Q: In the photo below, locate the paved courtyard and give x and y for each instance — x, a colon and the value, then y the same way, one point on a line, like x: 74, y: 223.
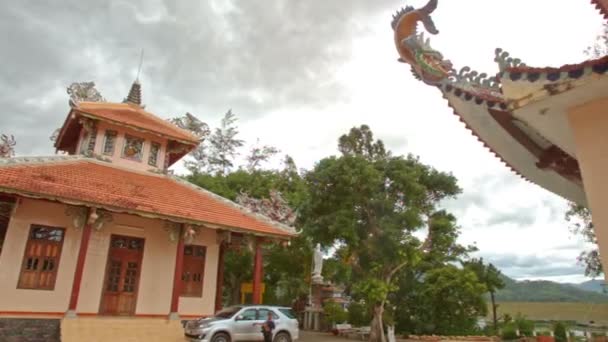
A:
x: 307, y: 336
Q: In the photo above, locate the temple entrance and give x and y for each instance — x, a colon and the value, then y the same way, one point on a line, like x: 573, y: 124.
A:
x: 122, y: 276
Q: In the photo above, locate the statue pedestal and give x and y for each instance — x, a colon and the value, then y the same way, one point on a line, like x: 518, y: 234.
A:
x: 312, y: 318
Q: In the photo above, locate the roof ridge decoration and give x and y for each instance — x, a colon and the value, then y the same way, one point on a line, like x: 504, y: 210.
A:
x: 83, y: 92
x: 504, y: 61
x: 428, y: 64
x: 40, y: 159
x: 243, y: 209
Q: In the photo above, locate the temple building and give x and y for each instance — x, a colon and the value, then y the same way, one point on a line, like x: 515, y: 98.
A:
x: 547, y: 124
x: 105, y: 230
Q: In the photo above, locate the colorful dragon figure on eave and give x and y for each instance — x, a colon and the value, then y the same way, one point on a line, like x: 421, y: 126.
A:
x: 427, y: 64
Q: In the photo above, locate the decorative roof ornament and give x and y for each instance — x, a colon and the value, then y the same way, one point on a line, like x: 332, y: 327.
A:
x: 7, y: 145
x: 134, y: 96
x: 83, y: 92
x: 506, y: 62
x: 427, y: 64
x: 471, y: 77
x: 275, y: 207
x: 191, y: 123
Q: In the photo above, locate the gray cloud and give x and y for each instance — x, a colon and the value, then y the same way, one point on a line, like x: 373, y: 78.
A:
x: 204, y: 57
x: 531, y: 265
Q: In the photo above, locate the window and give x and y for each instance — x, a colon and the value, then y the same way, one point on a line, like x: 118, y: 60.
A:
x: 133, y: 148
x: 263, y: 314
x: 193, y: 271
x: 109, y: 142
x: 248, y: 315
x: 153, y: 157
x: 41, y: 258
x: 288, y: 312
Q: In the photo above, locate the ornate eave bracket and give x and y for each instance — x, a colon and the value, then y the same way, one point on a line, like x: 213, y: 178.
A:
x: 6, y: 209
x: 80, y: 215
x: 188, y: 233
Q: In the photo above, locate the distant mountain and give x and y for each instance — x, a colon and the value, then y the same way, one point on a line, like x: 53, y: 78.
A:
x: 595, y: 285
x: 548, y: 291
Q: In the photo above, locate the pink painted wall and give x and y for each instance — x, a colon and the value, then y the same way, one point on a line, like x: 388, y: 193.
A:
x: 158, y: 264
x: 119, y: 144
x: 44, y: 213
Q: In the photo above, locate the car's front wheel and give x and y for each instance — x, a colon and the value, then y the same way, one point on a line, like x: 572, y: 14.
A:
x: 282, y: 337
x: 221, y: 337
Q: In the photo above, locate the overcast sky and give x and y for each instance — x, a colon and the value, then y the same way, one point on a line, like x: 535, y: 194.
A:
x: 300, y: 73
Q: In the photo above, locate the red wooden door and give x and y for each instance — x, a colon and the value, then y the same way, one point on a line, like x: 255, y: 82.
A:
x: 122, y: 276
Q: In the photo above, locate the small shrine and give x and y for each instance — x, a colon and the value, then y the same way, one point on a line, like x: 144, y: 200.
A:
x: 105, y: 230
x: 547, y: 124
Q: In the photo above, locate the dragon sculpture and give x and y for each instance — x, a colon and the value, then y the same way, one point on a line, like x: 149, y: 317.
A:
x: 427, y: 64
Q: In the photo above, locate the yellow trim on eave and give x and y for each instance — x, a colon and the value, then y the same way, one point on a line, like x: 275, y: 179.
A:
x: 551, y: 89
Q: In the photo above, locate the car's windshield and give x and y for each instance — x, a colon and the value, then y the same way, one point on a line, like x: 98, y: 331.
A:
x: 228, y: 312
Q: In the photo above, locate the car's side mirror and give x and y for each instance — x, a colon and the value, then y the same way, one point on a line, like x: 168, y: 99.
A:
x: 240, y: 318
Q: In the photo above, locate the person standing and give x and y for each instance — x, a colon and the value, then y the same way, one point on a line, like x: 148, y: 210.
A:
x: 267, y: 328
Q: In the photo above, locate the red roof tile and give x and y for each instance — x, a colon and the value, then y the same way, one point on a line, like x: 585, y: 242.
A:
x: 601, y: 5
x: 135, y: 117
x: 98, y: 183
x: 563, y: 68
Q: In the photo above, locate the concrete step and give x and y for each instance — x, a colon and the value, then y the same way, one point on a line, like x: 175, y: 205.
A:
x: 93, y: 329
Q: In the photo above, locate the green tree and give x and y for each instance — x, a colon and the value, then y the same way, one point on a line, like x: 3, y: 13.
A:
x: 492, y: 278
x: 285, y: 273
x: 334, y: 313
x: 200, y: 129
x: 581, y: 224
x: 454, y: 301
x: 223, y: 145
x: 411, y: 305
x: 371, y: 203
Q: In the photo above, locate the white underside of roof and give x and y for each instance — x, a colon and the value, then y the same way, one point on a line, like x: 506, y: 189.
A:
x: 548, y: 114
x: 479, y: 120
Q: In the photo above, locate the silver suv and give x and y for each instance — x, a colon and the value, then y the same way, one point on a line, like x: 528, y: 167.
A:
x: 242, y: 323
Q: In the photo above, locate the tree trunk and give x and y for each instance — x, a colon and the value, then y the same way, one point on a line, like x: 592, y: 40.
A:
x: 494, y: 312
x: 376, y: 333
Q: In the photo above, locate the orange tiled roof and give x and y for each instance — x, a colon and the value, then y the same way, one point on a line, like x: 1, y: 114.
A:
x: 136, y: 117
x: 88, y: 181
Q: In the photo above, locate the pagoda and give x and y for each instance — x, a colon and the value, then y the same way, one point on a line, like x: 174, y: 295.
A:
x: 547, y: 124
x: 106, y: 230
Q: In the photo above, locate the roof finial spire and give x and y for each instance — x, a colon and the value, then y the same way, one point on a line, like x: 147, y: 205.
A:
x: 141, y: 61
x: 134, y: 96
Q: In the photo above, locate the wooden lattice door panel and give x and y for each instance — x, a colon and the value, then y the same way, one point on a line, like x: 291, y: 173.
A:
x: 122, y: 276
x: 41, y: 258
x: 193, y: 272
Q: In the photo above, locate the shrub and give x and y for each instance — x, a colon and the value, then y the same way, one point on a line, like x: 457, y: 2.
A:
x: 358, y: 314
x: 525, y: 326
x: 334, y: 313
x: 559, y: 332
x: 509, y: 332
